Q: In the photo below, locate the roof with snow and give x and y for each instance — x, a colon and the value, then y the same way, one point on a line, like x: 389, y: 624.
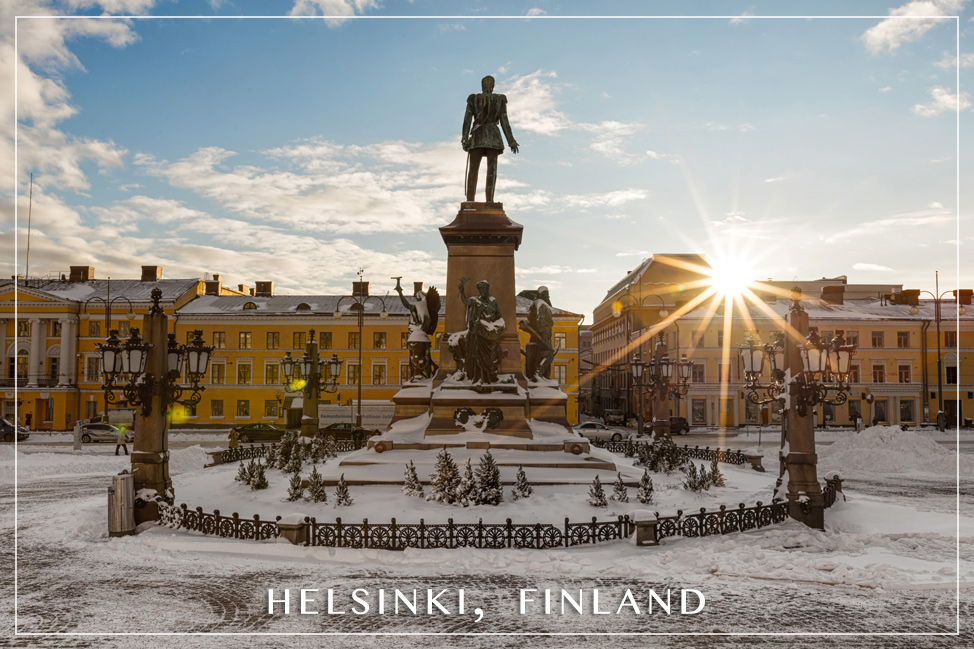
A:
x: 865, y: 309
x: 133, y: 289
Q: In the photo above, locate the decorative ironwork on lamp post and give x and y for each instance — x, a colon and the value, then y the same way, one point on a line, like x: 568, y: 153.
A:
x: 359, y: 302
x: 664, y: 377
x: 317, y: 375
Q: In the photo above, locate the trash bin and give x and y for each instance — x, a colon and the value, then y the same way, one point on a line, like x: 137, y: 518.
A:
x: 968, y: 422
x: 121, y: 505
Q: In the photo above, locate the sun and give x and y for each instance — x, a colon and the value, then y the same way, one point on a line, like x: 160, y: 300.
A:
x: 731, y: 275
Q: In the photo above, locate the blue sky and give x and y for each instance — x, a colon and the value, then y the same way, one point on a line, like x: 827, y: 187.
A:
x: 299, y: 150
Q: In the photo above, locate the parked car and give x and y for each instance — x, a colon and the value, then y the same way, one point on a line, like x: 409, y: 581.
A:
x: 344, y: 430
x: 594, y: 430
x: 7, y: 429
x: 102, y: 432
x: 616, y: 417
x: 258, y: 432
x: 679, y: 426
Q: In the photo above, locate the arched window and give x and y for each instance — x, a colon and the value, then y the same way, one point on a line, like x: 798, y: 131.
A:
x: 250, y: 305
x: 304, y: 306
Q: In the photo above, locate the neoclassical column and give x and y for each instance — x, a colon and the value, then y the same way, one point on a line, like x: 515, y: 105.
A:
x: 64, y: 362
x: 3, y: 349
x: 35, y: 367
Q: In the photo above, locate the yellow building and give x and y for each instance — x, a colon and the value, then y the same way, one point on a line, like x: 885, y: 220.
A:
x: 894, y: 370
x: 252, y: 333
x: 48, y: 332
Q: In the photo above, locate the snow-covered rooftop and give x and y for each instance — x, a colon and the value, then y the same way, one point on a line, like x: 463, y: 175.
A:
x: 133, y: 289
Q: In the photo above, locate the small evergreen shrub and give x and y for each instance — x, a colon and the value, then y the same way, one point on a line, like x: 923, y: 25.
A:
x: 258, y: 479
x: 489, y: 491
x: 619, y: 491
x: 596, y: 495
x: 295, y: 489
x: 645, y: 493
x: 342, y: 497
x: 467, y: 488
x: 411, y: 485
x: 316, y: 487
x: 445, y: 479
x: 522, y: 488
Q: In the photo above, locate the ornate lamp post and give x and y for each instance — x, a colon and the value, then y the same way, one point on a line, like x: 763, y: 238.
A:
x: 802, y: 375
x: 107, y: 303
x: 147, y: 373
x: 317, y: 375
x: 938, y: 315
x: 359, y: 302
x: 664, y: 378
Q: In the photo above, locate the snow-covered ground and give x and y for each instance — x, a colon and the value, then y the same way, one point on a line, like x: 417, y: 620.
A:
x: 887, y: 561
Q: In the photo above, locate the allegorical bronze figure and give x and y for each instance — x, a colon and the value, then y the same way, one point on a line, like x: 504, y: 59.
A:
x: 424, y: 313
x: 539, y: 353
x: 477, y: 350
x: 485, y: 110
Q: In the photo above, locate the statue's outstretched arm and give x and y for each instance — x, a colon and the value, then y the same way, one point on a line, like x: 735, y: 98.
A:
x: 506, y: 125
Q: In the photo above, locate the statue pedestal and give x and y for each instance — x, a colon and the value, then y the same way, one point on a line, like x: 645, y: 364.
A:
x: 480, y: 244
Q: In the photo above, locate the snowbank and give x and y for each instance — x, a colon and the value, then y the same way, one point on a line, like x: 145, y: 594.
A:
x: 34, y: 466
x: 888, y: 449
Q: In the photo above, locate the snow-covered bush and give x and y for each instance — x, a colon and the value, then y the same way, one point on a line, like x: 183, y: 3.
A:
x: 411, y: 486
x: 294, y: 463
x: 716, y: 477
x: 467, y: 489
x: 619, y: 491
x: 271, y: 458
x: 522, y: 488
x: 596, y: 495
x: 489, y: 491
x: 645, y: 492
x: 342, y: 497
x: 243, y: 473
x: 284, y: 453
x: 695, y: 480
x: 316, y: 487
x: 258, y: 479
x: 445, y: 479
x: 295, y: 489
x: 661, y: 456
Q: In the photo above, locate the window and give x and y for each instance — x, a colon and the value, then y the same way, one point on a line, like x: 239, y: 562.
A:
x: 378, y: 374
x: 124, y: 329
x: 94, y: 329
x: 720, y: 337
x: 379, y: 340
x: 854, y: 373
x: 189, y: 410
x: 246, y: 340
x: 404, y: 340
x: 216, y: 408
x: 906, y: 410
x: 55, y: 328
x: 879, y: 374
x: 273, y: 340
x: 52, y: 368
x: 879, y: 407
x: 561, y: 340
x: 220, y: 339
x: 324, y: 340
x: 218, y: 373
x: 903, y: 372
x: 852, y: 338
x: 271, y: 374
x: 23, y: 328
x: 698, y: 373
x: 698, y: 411
x: 243, y: 408
x: 270, y: 407
x: 950, y: 375
x: 353, y: 340
x: 560, y: 374
x: 877, y: 339
x: 92, y: 368
x: 404, y: 373
x: 902, y: 339
x: 855, y: 409
x: 243, y: 374
x: 696, y: 340
x: 353, y: 374
x: 249, y: 306
x: 298, y: 340
x: 827, y: 336
x: 950, y: 339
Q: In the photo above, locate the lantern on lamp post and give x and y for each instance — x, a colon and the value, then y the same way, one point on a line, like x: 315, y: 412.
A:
x: 317, y: 375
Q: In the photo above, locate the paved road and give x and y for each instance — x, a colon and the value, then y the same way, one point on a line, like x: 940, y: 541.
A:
x: 81, y: 587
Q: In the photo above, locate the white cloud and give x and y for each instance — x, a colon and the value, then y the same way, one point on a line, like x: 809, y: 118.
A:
x: 451, y: 27
x: 886, y: 89
x: 715, y: 127
x: 535, y: 11
x: 899, y: 222
x: 935, y: 206
x: 949, y: 62
x: 774, y: 180
x: 943, y: 101
x: 739, y: 20
x: 871, y: 267
x: 337, y: 11
x: 906, y: 24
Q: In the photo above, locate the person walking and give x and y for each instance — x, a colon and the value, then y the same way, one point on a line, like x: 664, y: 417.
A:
x: 233, y: 439
x: 120, y: 432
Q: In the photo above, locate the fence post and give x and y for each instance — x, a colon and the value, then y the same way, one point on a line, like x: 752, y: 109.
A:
x: 365, y: 534
x: 422, y: 533
x: 510, y: 532
x: 480, y: 533
x: 567, y: 541
x: 393, y: 537
x: 338, y: 532
x: 449, y: 534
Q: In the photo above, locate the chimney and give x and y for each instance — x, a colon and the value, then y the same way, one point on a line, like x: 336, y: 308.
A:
x: 833, y: 294
x: 964, y: 296
x: 82, y: 273
x: 151, y: 273
x: 213, y: 286
x: 253, y: 293
x: 417, y: 287
x: 360, y: 289
x: 911, y: 297
x: 243, y: 289
x: 265, y: 289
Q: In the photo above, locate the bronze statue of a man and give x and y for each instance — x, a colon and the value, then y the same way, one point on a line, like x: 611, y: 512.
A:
x: 485, y: 110
x: 539, y: 353
x: 476, y: 350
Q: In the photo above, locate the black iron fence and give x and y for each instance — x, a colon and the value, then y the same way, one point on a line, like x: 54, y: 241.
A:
x: 230, y: 527
x: 249, y: 452
x: 630, y: 448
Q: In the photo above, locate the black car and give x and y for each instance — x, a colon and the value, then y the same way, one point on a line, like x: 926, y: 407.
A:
x: 679, y: 426
x: 344, y: 430
x: 259, y: 432
x: 7, y: 429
